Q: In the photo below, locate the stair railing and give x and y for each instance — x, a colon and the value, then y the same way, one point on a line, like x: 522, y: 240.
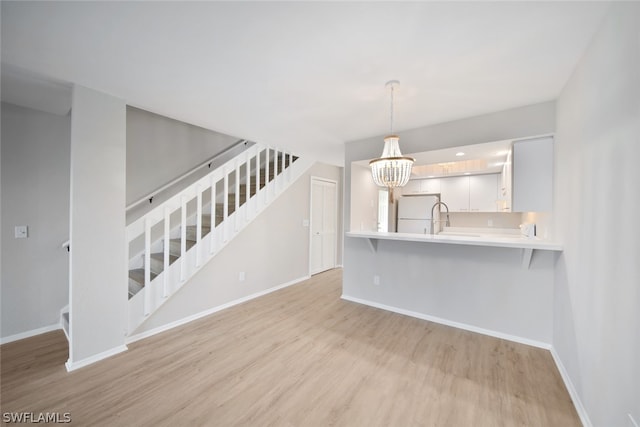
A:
x: 206, y: 194
x: 149, y: 197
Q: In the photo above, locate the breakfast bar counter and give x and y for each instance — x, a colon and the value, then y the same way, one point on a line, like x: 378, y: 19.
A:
x: 472, y: 239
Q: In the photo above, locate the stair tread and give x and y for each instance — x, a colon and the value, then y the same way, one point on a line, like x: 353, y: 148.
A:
x: 137, y: 274
x: 204, y: 227
x: 160, y: 257
x: 189, y: 242
x: 175, y: 246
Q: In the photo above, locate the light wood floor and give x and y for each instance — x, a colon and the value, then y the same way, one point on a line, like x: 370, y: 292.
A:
x: 297, y: 357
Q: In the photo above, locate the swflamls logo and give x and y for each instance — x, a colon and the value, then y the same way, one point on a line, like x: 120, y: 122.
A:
x: 36, y: 417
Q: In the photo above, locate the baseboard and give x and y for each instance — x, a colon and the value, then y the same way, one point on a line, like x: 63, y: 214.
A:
x: 577, y: 403
x: 31, y: 333
x: 446, y: 322
x: 72, y: 366
x: 185, y: 320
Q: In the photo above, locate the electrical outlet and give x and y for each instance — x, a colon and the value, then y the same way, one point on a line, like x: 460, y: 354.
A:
x: 241, y: 276
x: 376, y: 280
x: 21, y: 232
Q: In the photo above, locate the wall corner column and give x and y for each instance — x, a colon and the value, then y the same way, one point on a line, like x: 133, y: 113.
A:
x: 97, y: 264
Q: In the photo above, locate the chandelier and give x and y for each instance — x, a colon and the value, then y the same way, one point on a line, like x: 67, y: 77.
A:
x: 392, y: 169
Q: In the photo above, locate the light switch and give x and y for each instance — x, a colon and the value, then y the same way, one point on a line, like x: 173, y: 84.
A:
x: 305, y: 222
x: 21, y: 232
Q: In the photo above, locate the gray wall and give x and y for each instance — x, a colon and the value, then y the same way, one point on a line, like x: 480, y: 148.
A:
x: 272, y: 250
x: 35, y: 192
x: 160, y: 149
x: 597, y: 279
x: 481, y: 288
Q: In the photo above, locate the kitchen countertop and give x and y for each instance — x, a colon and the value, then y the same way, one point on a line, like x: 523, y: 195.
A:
x: 471, y: 239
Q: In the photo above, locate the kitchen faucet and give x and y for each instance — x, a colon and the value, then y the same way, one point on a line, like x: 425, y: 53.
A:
x: 433, y: 221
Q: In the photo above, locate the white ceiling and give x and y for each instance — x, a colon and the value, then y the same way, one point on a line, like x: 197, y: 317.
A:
x: 307, y: 76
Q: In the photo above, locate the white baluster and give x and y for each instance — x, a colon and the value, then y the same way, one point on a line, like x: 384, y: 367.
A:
x: 247, y: 187
x: 212, y: 224
x: 275, y: 171
x: 266, y: 176
x: 284, y: 165
x: 237, y: 198
x: 198, y: 225
x: 183, y: 238
x: 258, y: 171
x: 166, y: 255
x: 289, y: 167
x: 147, y: 266
x: 225, y: 207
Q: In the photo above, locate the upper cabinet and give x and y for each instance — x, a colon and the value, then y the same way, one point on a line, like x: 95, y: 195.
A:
x: 454, y: 191
x: 472, y: 193
x: 412, y: 187
x: 533, y: 175
x: 422, y: 186
x: 430, y: 186
x: 483, y: 193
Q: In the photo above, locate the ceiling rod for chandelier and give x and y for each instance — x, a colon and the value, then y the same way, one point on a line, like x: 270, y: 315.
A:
x: 392, y: 169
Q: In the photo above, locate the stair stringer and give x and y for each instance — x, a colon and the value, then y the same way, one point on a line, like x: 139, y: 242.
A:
x: 160, y: 290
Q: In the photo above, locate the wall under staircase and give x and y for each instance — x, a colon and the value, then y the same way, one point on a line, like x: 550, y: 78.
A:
x: 171, y: 243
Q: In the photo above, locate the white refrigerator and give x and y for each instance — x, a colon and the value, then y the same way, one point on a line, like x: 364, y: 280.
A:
x: 414, y: 213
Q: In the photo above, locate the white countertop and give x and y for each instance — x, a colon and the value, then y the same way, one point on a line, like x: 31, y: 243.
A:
x: 461, y: 239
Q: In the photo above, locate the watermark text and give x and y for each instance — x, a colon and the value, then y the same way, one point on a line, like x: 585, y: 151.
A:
x: 36, y: 417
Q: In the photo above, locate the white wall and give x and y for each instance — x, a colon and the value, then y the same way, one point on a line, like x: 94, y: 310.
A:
x: 98, y: 274
x: 35, y: 192
x: 271, y: 251
x: 364, y: 199
x: 597, y: 201
x: 482, y: 288
x: 160, y: 149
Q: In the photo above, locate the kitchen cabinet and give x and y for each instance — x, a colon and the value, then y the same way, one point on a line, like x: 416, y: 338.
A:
x: 473, y: 193
x: 454, y: 191
x: 430, y: 186
x: 483, y: 193
x: 533, y: 175
x: 412, y: 187
x: 422, y: 186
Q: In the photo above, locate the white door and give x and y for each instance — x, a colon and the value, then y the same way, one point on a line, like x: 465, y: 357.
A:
x: 323, y: 225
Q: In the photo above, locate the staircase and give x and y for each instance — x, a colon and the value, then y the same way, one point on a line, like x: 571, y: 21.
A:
x: 172, y: 242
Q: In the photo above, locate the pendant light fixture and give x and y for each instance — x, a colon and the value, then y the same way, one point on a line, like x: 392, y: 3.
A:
x: 392, y: 169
